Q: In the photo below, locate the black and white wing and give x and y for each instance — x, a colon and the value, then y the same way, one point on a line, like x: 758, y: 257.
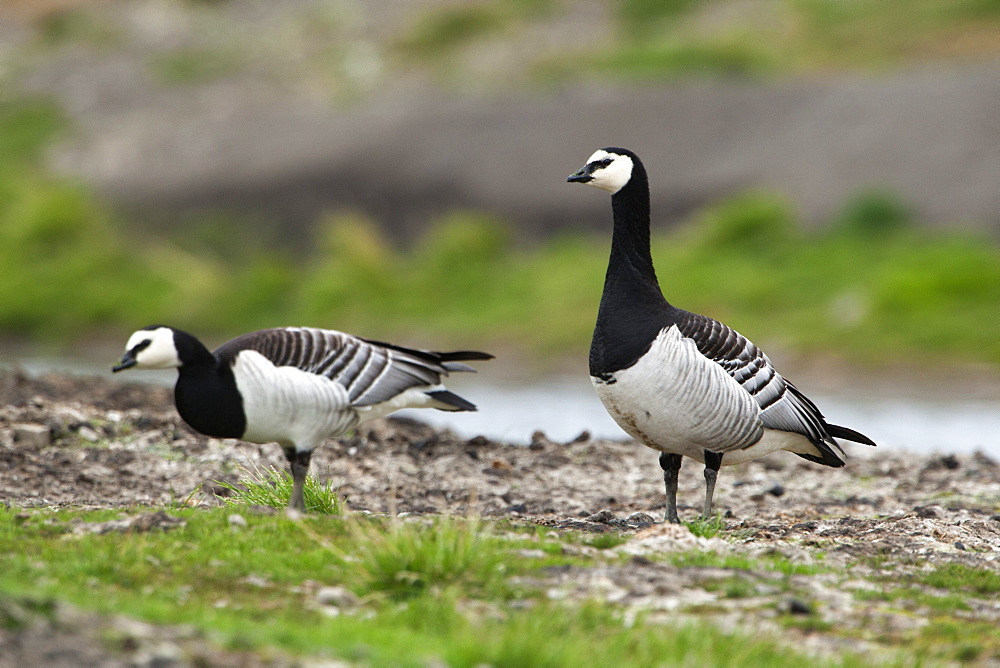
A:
x: 782, y: 405
x: 372, y: 372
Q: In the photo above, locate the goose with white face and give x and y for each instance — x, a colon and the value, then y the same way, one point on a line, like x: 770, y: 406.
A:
x: 605, y: 170
x: 152, y: 348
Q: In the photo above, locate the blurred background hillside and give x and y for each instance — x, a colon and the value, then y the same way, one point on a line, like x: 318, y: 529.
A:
x: 824, y: 173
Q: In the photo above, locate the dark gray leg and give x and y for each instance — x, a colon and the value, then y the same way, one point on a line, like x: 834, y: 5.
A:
x: 671, y: 465
x: 713, y: 460
x: 299, y: 462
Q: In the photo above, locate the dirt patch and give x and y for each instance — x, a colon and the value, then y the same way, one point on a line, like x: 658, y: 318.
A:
x: 122, y: 445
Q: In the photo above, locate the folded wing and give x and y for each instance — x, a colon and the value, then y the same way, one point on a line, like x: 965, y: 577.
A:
x: 371, y: 371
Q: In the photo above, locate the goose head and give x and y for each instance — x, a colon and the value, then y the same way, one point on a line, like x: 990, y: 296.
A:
x: 608, y: 169
x: 150, y: 348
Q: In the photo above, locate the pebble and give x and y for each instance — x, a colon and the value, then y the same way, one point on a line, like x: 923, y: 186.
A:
x: 640, y: 520
x: 609, y: 518
x: 539, y: 440
x: 88, y: 434
x: 237, y: 521
x: 33, y: 435
x: 775, y: 489
x: 796, y: 606
x: 337, y: 596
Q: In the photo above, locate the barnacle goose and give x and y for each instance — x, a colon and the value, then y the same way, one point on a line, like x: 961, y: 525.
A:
x: 294, y: 385
x: 679, y: 382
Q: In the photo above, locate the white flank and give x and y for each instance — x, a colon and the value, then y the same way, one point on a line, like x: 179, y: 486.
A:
x: 288, y: 405
x: 414, y: 397
x: 676, y: 400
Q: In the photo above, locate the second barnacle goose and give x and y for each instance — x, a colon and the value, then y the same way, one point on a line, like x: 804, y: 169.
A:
x: 295, y: 386
x: 679, y: 382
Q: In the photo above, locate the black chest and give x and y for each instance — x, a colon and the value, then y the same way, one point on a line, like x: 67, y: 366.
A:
x: 631, y: 316
x: 209, y: 402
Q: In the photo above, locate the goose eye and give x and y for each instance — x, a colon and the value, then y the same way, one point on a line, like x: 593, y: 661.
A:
x: 599, y: 164
x: 139, y: 347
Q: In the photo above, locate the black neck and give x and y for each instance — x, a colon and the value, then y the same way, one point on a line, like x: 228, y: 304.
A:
x: 633, y: 309
x: 630, y: 239
x: 206, y: 394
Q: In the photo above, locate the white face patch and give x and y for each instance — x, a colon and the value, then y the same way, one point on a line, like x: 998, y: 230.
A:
x: 156, y: 348
x: 614, y: 175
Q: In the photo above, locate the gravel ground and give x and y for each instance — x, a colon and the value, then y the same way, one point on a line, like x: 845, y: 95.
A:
x: 72, y: 441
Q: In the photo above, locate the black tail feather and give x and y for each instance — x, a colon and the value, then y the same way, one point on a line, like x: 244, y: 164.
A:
x: 433, y: 356
x: 827, y: 459
x: 463, y: 356
x: 451, y: 399
x: 848, y: 434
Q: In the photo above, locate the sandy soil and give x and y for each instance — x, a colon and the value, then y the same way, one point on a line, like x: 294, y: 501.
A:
x: 91, y: 442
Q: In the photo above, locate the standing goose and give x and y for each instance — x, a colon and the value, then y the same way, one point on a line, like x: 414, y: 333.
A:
x: 296, y: 386
x: 679, y: 382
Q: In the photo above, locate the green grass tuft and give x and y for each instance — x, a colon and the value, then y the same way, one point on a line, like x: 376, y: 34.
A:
x: 271, y: 487
x: 959, y: 577
x: 406, y: 560
x: 706, y: 527
x: 741, y: 562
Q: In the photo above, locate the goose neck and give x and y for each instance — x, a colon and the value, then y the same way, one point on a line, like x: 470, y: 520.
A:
x: 630, y: 240
x: 193, y: 354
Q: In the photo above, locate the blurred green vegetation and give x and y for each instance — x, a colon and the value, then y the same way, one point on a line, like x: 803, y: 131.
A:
x: 870, y: 286
x: 330, y: 48
x: 662, y: 38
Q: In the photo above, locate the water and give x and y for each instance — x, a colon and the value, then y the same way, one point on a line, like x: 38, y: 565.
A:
x: 563, y: 407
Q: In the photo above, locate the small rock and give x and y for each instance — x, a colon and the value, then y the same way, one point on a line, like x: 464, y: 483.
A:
x: 532, y: 554
x: 406, y: 468
x: 88, y: 434
x: 582, y: 437
x: 499, y: 467
x: 609, y: 518
x: 32, y: 435
x: 795, y: 606
x: 959, y: 545
x: 341, y: 597
x: 925, y: 511
x: 158, y: 520
x: 516, y: 508
x: 640, y: 520
x: 539, y: 440
x: 775, y: 489
x: 237, y: 521
x: 982, y: 460
x: 996, y: 518
x: 950, y: 462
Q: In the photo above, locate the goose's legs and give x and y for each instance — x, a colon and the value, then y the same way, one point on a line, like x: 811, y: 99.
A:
x: 299, y: 462
x: 671, y: 465
x: 713, y: 460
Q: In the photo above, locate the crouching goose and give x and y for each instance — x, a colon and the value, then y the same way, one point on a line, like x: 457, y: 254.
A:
x: 679, y: 382
x: 295, y: 386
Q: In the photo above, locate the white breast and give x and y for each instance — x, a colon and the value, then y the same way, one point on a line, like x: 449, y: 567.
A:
x: 288, y: 405
x: 676, y: 400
